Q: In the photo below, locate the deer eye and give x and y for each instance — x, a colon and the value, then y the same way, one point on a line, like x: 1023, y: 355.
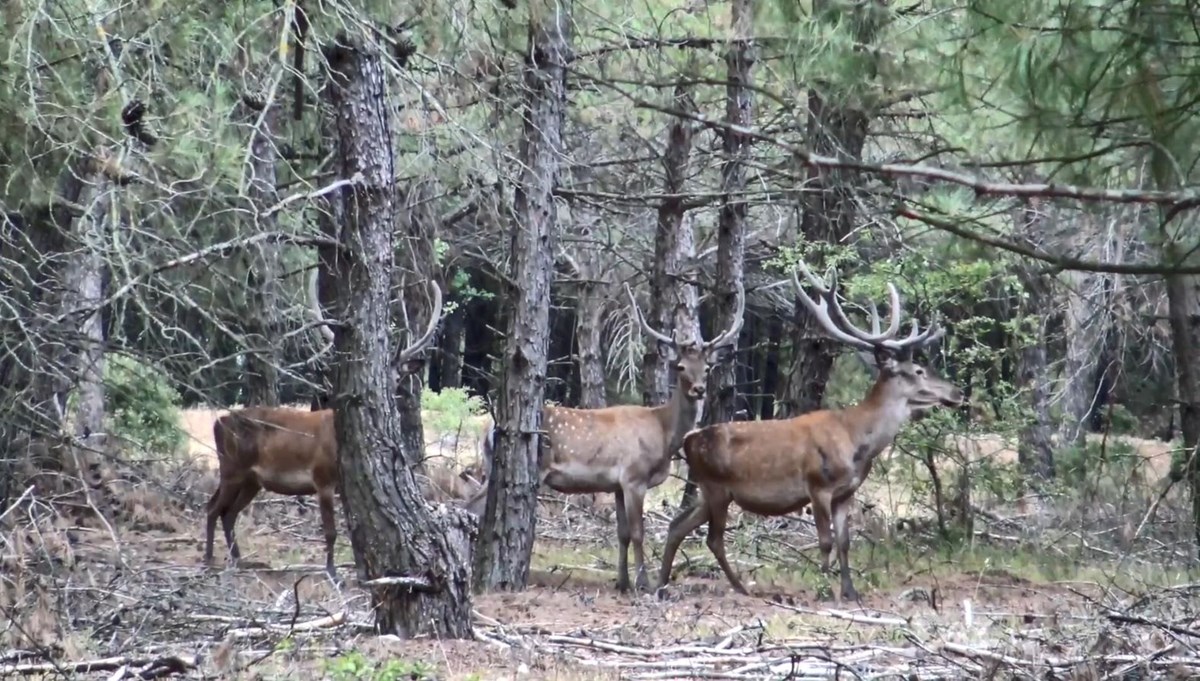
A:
x: 919, y: 371
x: 679, y: 366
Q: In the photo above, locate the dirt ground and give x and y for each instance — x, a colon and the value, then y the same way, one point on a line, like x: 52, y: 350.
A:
x: 134, y: 601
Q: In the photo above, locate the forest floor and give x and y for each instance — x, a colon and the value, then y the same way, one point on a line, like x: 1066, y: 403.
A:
x: 132, y: 600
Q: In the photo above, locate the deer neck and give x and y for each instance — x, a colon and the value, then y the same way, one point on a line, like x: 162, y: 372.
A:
x: 678, y: 416
x: 874, y: 423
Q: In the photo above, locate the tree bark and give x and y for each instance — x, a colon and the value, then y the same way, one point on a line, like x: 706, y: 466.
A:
x: 419, y: 230
x: 381, y: 496
x: 721, y: 401
x: 770, y: 371
x: 479, y: 337
x: 449, y: 365
x: 84, y: 295
x: 828, y: 203
x: 330, y: 219
x: 1183, y: 313
x: 589, y: 334
x: 674, y: 306
x: 731, y: 223
x: 263, y: 294
x: 1034, y: 450
x: 507, y: 527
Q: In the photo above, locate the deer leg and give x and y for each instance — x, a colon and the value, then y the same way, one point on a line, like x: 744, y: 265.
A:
x: 821, y: 510
x: 329, y: 527
x: 622, y: 542
x: 718, y: 515
x: 841, y: 531
x: 245, y: 495
x: 681, y: 526
x: 217, y: 503
x: 634, y: 521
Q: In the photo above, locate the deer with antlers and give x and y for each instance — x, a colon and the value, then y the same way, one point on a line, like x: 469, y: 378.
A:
x: 294, y: 452
x: 627, y: 450
x: 776, y: 467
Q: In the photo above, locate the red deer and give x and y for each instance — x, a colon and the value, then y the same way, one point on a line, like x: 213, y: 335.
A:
x: 627, y: 450
x: 776, y: 467
x: 291, y: 452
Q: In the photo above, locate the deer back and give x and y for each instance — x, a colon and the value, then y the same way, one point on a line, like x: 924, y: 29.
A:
x: 290, y: 451
x: 611, y: 436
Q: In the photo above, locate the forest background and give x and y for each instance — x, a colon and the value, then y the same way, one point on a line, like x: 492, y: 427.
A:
x: 196, y: 194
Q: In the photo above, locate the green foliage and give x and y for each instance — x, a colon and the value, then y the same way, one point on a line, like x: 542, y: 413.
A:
x: 143, y: 406
x: 1079, y: 464
x: 354, y: 666
x: 450, y: 410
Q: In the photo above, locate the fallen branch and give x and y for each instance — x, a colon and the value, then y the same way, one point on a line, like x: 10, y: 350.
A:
x: 329, y: 622
x: 416, y: 583
x: 1135, y: 619
x: 146, y: 667
x: 843, y: 615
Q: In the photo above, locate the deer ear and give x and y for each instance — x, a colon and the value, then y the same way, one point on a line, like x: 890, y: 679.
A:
x: 667, y: 352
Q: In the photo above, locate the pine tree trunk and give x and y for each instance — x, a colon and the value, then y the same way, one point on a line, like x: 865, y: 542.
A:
x: 330, y: 218
x: 479, y: 337
x: 449, y: 362
x: 420, y: 229
x: 721, y: 398
x: 84, y: 294
x: 507, y: 527
x: 674, y: 307
x: 263, y: 332
x: 828, y: 205
x: 1034, y: 451
x: 770, y: 371
x: 589, y: 337
x: 393, y: 532
x: 1183, y: 313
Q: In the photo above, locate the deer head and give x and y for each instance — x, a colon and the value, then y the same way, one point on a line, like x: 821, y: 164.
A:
x: 900, y: 376
x: 693, y: 357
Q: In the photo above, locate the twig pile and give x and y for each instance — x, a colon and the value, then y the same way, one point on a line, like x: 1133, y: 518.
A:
x: 816, y: 659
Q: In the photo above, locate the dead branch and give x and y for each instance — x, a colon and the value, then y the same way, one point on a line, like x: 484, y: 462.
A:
x: 146, y: 667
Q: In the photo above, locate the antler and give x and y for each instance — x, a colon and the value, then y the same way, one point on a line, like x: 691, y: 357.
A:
x: 851, y: 335
x: 435, y: 316
x: 650, y: 331
x: 314, y: 302
x: 735, y: 327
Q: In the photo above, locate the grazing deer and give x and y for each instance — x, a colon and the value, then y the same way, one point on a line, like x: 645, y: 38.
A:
x: 627, y: 450
x: 776, y: 467
x: 291, y: 452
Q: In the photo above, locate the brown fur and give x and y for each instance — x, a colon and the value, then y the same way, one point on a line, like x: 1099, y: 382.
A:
x: 289, y: 451
x: 627, y: 450
x: 292, y: 452
x: 776, y: 467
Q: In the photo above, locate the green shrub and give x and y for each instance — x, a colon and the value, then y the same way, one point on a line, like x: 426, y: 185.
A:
x: 354, y: 666
x: 143, y: 406
x: 450, y: 410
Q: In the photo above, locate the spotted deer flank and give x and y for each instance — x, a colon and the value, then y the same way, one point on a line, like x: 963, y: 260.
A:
x: 627, y: 450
